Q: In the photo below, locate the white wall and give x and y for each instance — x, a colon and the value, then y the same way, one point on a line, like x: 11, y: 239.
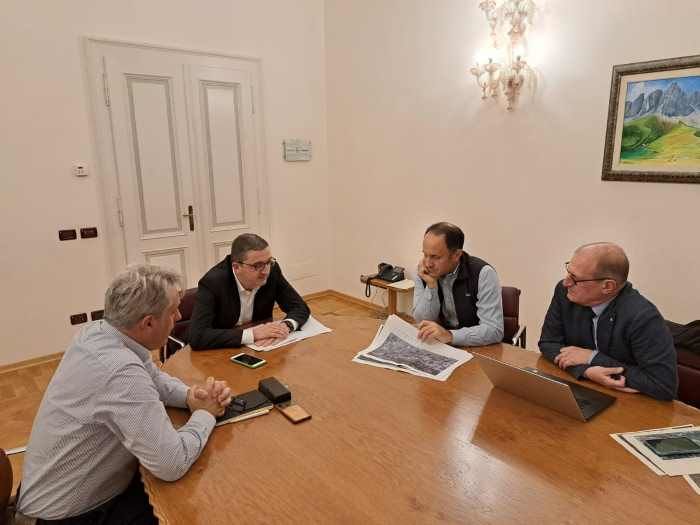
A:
x: 46, y: 125
x: 410, y: 143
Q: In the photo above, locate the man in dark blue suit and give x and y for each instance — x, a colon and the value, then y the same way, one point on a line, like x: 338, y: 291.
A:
x: 599, y: 327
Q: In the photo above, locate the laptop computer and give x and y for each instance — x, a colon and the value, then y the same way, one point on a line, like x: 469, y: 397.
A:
x: 546, y: 390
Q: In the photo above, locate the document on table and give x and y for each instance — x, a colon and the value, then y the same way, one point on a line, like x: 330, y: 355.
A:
x: 694, y: 482
x: 310, y: 328
x: 396, y: 346
x: 640, y: 444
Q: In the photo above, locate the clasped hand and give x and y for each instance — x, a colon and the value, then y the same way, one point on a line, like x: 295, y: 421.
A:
x: 572, y: 356
x: 213, y: 396
x: 270, y: 333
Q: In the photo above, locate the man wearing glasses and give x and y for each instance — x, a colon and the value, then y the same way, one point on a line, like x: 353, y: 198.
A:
x: 241, y: 289
x: 599, y: 327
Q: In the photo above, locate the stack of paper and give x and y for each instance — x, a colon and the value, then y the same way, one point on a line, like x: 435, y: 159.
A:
x: 672, y: 451
x: 397, y: 347
x: 309, y: 329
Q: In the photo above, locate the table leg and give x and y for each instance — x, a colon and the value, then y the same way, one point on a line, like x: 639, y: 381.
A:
x: 392, y: 301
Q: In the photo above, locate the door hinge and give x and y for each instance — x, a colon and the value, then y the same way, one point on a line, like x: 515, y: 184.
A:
x: 252, y: 99
x: 105, y: 88
x: 120, y: 213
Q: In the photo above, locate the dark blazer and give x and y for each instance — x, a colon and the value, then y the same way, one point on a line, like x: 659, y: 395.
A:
x: 631, y: 333
x: 218, y: 306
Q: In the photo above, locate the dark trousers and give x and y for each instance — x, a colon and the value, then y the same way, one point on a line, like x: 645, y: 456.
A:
x: 131, y: 507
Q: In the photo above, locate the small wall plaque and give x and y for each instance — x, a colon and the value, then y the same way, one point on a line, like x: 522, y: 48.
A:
x: 297, y: 150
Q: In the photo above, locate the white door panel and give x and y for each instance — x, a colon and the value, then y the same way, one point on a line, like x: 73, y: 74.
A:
x: 177, y: 132
x: 224, y: 136
x: 152, y: 157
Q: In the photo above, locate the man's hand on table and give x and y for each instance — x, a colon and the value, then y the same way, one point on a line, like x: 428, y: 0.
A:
x: 214, y: 396
x: 431, y: 331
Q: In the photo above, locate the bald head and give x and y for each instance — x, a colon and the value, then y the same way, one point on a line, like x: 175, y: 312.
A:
x: 610, y: 260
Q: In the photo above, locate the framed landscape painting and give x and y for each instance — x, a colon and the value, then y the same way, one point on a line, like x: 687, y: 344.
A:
x: 653, y: 132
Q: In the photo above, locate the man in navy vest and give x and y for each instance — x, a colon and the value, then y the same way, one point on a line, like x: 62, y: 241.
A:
x: 599, y: 327
x: 457, y: 297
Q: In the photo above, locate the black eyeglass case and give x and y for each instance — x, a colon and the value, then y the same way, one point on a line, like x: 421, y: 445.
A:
x: 275, y: 391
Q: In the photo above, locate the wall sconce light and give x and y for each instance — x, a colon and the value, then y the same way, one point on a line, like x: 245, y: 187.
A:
x: 516, y: 17
x: 487, y: 78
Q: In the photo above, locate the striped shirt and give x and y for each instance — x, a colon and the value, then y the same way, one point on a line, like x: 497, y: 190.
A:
x: 103, y: 413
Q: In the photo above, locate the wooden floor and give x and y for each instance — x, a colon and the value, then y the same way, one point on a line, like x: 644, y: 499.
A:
x: 21, y: 389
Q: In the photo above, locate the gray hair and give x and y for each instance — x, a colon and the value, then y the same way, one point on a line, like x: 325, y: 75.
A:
x: 244, y: 243
x: 139, y: 291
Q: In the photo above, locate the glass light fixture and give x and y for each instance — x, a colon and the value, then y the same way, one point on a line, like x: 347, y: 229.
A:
x: 514, y: 17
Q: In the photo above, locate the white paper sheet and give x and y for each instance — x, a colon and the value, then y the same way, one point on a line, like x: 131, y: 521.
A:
x: 396, y: 346
x: 406, y: 284
x: 310, y: 328
x: 694, y: 481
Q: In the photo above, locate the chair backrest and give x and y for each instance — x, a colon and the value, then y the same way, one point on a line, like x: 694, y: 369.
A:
x: 181, y: 330
x: 686, y: 339
x: 5, y: 485
x: 511, y: 312
x: 182, y: 327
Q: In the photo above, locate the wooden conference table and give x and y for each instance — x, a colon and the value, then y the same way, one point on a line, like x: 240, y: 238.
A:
x: 387, y: 447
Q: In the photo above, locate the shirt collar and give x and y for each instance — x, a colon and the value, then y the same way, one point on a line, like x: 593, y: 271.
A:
x: 141, y: 351
x: 452, y: 275
x: 599, y: 308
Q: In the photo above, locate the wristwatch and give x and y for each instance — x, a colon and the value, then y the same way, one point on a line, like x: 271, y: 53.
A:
x: 289, y: 324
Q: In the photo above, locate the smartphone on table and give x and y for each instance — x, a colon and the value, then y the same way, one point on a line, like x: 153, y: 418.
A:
x: 248, y: 360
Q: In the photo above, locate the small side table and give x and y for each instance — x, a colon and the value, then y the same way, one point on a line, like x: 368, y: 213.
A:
x: 393, y: 289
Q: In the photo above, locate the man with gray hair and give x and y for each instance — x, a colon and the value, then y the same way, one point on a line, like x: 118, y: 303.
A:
x: 599, y: 327
x: 242, y: 290
x: 103, y: 412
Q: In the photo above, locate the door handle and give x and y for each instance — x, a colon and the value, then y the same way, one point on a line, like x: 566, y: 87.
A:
x: 190, y: 215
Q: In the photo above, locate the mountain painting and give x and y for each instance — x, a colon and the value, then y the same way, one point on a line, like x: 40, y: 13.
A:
x: 662, y: 123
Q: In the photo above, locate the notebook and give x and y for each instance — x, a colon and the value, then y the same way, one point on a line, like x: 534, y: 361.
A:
x: 245, y: 406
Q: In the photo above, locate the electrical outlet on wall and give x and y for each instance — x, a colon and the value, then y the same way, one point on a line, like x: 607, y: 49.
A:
x: 78, y: 318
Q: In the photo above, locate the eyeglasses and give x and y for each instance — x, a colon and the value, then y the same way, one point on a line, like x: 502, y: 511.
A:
x: 259, y: 267
x: 576, y: 281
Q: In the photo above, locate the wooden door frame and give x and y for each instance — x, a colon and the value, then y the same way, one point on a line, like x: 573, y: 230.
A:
x: 107, y: 175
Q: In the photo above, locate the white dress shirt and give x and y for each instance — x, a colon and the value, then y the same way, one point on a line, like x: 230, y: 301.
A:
x: 247, y: 298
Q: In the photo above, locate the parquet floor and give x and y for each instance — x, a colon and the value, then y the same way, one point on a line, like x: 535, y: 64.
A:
x: 21, y: 390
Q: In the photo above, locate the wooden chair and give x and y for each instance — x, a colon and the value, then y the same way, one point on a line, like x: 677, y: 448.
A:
x: 513, y: 333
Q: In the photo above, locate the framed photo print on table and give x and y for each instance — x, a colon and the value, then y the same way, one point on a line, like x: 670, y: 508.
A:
x: 653, y: 131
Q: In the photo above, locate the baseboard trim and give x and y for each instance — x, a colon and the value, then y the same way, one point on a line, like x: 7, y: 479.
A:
x: 318, y: 295
x: 315, y: 295
x: 355, y: 300
x: 30, y: 362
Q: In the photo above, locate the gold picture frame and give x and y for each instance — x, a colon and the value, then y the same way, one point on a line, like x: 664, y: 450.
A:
x: 653, y: 130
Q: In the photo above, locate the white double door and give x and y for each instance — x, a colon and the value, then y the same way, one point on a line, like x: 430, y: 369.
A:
x: 179, y: 150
